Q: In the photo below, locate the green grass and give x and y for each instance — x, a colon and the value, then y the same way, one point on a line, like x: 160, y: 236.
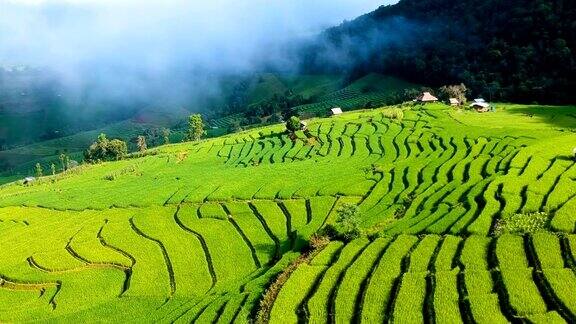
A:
x: 550, y: 317
x: 421, y: 256
x: 475, y: 253
x: 510, y: 253
x: 381, y: 282
x: 523, y: 293
x: 563, y: 283
x: 548, y: 251
x: 409, y: 305
x: 485, y: 309
x: 293, y: 293
x: 371, y: 90
x: 445, y: 258
x: 328, y: 253
x: 319, y: 305
x: 212, y: 210
x: 349, y: 290
x: 446, y: 298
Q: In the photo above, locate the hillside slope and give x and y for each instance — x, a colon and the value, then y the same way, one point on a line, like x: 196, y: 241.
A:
x: 196, y: 231
x: 513, y: 50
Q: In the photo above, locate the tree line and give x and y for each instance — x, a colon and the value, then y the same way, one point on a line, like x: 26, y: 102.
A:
x: 104, y: 149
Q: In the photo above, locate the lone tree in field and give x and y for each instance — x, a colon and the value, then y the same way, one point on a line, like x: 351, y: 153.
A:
x: 348, y: 221
x: 166, y: 135
x: 293, y: 124
x: 106, y: 150
x: 39, y: 171
x: 53, y: 168
x: 141, y: 143
x: 195, y: 127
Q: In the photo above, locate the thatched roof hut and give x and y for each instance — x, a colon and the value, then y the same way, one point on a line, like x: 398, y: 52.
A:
x: 427, y: 97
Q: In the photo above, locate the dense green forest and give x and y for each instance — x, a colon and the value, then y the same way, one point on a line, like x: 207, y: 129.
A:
x: 519, y: 50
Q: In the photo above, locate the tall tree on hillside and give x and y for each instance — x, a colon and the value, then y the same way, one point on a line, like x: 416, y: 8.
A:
x: 64, y: 161
x: 195, y: 127
x: 141, y: 143
x: 166, y: 135
x: 39, y: 171
x: 53, y: 168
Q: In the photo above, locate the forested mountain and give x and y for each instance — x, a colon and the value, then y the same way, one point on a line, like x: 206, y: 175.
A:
x: 517, y: 50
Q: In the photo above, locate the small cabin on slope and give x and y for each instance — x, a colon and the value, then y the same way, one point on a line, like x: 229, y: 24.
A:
x: 427, y: 97
x: 454, y: 102
x: 480, y: 105
x: 336, y: 111
x: 29, y: 180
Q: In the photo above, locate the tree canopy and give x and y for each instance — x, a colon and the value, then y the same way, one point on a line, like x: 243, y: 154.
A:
x: 293, y: 124
x: 518, y: 50
x: 195, y: 127
x: 106, y: 150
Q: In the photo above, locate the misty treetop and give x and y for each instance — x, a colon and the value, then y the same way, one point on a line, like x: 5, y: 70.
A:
x: 520, y: 50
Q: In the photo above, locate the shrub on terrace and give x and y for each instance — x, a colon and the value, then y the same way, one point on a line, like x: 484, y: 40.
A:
x: 522, y: 223
x: 394, y: 114
x: 293, y: 124
x: 348, y: 222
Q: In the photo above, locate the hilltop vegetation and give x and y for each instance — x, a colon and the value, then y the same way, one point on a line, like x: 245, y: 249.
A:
x: 198, y: 231
x: 518, y: 50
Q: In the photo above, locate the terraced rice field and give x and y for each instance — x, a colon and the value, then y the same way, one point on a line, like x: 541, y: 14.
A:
x: 347, y: 99
x: 198, y: 231
x: 227, y: 121
x: 372, y: 90
x: 411, y: 279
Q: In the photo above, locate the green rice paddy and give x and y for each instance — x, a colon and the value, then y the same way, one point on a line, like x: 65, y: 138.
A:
x: 196, y: 232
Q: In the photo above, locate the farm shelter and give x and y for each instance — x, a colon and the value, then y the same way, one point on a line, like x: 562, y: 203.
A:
x: 427, y: 97
x: 336, y: 111
x: 480, y: 105
x: 454, y: 102
x: 29, y: 180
